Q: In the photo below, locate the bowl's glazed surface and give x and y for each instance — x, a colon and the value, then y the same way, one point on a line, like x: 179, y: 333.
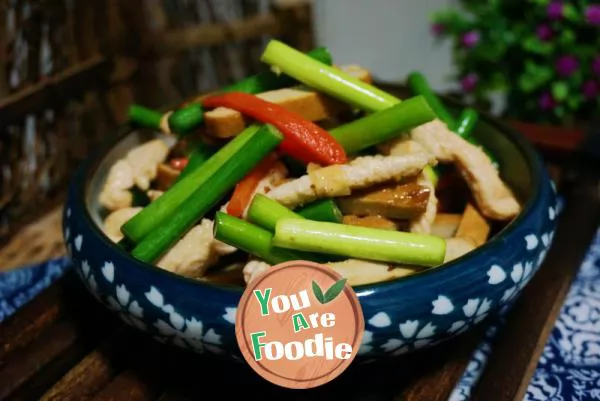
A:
x: 400, y: 316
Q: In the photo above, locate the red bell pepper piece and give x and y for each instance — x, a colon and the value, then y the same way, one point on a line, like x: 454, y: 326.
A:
x: 179, y: 163
x: 303, y: 140
x: 242, y: 194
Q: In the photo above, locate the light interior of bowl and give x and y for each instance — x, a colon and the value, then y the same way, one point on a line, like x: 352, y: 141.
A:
x: 515, y: 167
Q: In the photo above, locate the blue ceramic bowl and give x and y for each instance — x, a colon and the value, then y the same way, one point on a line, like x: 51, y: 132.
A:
x: 400, y: 316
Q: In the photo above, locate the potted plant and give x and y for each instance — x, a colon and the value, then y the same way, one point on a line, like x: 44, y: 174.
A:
x: 542, y: 56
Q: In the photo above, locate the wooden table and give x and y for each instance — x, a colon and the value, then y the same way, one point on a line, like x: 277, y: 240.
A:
x: 65, y: 346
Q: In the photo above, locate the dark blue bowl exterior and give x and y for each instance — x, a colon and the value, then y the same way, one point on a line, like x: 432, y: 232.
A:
x: 400, y: 316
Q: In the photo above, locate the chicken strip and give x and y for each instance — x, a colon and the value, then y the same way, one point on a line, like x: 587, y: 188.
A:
x: 154, y: 194
x: 137, y: 168
x: 192, y: 255
x: 114, y: 221
x: 115, y: 193
x: 144, y: 161
x: 495, y: 200
x: 340, y: 180
x: 253, y: 269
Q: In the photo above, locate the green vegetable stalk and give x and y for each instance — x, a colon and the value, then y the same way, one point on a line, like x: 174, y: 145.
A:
x: 206, y: 195
x: 419, y: 86
x: 360, y: 242
x: 383, y: 125
x: 238, y: 150
x: 190, y: 117
x: 332, y: 81
x: 254, y: 240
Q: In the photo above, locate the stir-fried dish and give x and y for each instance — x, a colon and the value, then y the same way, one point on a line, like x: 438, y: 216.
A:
x: 306, y: 161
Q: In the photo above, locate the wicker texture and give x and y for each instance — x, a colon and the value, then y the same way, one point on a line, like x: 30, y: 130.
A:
x: 70, y: 68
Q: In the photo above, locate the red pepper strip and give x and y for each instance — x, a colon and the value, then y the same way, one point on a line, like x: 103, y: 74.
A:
x: 303, y: 140
x: 179, y: 163
x: 244, y: 190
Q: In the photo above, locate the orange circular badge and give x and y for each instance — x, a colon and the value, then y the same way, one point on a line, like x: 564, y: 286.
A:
x: 299, y: 325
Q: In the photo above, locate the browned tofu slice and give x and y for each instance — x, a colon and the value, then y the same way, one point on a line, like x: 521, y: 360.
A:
x: 378, y: 222
x: 224, y: 123
x: 396, y: 201
x: 165, y: 176
x: 473, y: 226
x: 445, y: 225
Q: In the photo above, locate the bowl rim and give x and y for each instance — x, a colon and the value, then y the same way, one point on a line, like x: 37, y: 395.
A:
x: 89, y: 167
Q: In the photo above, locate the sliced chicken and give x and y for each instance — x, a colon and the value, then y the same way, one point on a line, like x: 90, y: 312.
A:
x: 394, y: 201
x: 340, y: 180
x: 115, y: 193
x: 494, y: 198
x: 422, y: 224
x: 144, y: 161
x: 154, y: 194
x: 137, y: 168
x: 192, y: 255
x: 114, y: 221
x: 253, y: 269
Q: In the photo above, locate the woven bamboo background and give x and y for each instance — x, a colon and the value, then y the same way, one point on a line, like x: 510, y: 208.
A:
x: 70, y: 68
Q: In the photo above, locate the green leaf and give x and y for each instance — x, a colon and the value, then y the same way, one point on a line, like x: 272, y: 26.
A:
x: 541, y: 2
x: 334, y: 290
x: 560, y: 91
x: 574, y: 102
x: 318, y: 292
x: 570, y: 12
x: 535, y: 76
x: 566, y: 37
x: 534, y: 45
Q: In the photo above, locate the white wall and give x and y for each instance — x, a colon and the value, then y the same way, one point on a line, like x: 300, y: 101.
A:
x: 390, y: 37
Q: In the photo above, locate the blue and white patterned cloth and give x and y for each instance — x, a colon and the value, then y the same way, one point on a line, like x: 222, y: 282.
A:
x: 17, y: 287
x: 569, y: 369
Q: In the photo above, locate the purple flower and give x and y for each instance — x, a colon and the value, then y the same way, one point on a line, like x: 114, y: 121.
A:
x: 470, y: 39
x: 590, y: 89
x: 555, y: 10
x: 596, y: 65
x: 544, y: 33
x: 566, y: 65
x: 546, y: 101
x: 592, y: 14
x: 438, y: 29
x: 469, y: 82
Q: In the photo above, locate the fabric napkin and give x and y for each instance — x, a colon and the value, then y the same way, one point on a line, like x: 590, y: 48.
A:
x: 19, y: 286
